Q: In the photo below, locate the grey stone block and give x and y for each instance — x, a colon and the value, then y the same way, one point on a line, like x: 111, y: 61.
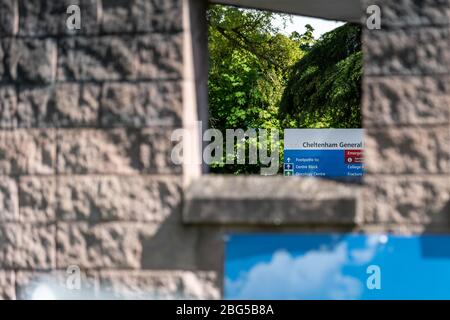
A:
x: 98, y: 151
x: 32, y: 60
x: 27, y: 246
x: 9, y: 237
x: 37, y: 199
x: 410, y: 51
x: 160, y: 56
x: 155, y: 151
x: 36, y: 248
x: 27, y: 152
x: 9, y: 17
x: 153, y: 56
x: 141, y: 105
x: 269, y: 201
x: 59, y: 105
x: 408, y: 150
x: 9, y: 202
x: 407, y: 200
x: 108, y: 245
x: 8, y: 106
x: 141, y: 16
x: 99, y: 58
x: 159, y: 285
x: 406, y: 100
x: 7, y: 285
x: 411, y: 12
x: 43, y: 17
x: 126, y: 198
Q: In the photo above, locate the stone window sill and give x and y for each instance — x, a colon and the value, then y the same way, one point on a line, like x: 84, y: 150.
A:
x: 269, y: 201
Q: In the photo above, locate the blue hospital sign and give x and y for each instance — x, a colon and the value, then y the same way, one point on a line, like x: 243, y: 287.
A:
x: 323, y: 152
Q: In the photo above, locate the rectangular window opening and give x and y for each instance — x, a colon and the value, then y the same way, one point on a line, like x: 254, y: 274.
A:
x: 269, y: 72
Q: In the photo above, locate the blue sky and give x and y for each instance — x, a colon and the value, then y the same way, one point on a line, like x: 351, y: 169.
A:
x: 333, y: 266
x: 298, y: 23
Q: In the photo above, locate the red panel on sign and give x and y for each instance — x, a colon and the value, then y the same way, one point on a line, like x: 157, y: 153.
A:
x: 353, y: 156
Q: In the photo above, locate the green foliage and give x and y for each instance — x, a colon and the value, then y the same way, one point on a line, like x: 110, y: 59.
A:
x: 261, y: 78
x: 324, y: 89
x: 249, y: 63
x: 307, y: 39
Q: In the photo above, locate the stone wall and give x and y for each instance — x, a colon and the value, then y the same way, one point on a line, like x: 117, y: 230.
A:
x: 85, y: 173
x: 86, y: 177
x: 406, y: 108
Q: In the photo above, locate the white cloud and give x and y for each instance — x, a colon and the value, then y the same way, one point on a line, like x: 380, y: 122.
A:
x: 363, y: 256
x: 316, y: 274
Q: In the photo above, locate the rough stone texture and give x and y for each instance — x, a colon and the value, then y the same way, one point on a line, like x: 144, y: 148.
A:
x: 407, y: 179
x: 7, y: 285
x: 8, y: 17
x: 107, y: 245
x: 144, y: 104
x: 408, y: 150
x: 36, y: 248
x: 43, y: 17
x: 160, y: 285
x: 37, y: 199
x: 32, y: 60
x: 8, y: 106
x: 27, y: 152
x: 107, y: 198
x: 155, y: 56
x: 58, y: 106
x: 160, y: 56
x: 98, y: 151
x: 411, y: 51
x: 86, y: 175
x: 156, y: 151
x: 269, y: 201
x: 412, y: 12
x: 9, y: 237
x: 414, y: 200
x: 27, y: 246
x: 406, y: 100
x: 141, y: 16
x: 9, y: 204
x: 104, y: 58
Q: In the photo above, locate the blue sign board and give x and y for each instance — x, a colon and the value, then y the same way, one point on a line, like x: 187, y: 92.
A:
x: 323, y: 152
x: 337, y: 266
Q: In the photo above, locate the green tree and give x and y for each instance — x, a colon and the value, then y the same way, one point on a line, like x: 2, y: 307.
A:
x: 324, y: 89
x: 249, y: 63
x: 261, y: 78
